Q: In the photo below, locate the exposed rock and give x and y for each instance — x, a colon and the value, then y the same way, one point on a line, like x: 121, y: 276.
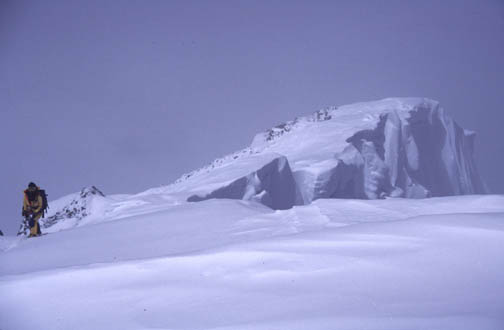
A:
x: 77, y: 207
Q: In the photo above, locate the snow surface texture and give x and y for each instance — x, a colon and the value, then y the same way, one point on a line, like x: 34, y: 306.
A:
x: 402, y: 264
x: 68, y: 211
x: 398, y: 147
x: 270, y: 246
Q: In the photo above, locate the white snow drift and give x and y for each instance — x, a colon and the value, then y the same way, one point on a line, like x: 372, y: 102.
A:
x: 224, y: 264
x: 399, y: 147
x: 277, y: 239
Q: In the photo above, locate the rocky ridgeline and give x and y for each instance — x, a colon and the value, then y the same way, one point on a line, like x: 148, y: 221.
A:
x: 270, y: 135
x: 77, y: 208
x: 279, y: 130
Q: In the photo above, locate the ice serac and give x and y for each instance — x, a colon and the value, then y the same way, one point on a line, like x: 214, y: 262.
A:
x: 272, y: 185
x: 397, y: 147
x: 416, y: 153
x: 401, y: 147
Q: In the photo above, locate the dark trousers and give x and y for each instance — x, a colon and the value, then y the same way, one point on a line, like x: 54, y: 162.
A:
x: 34, y: 225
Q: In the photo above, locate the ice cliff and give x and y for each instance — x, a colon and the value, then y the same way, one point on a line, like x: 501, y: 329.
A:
x: 272, y: 185
x: 397, y: 147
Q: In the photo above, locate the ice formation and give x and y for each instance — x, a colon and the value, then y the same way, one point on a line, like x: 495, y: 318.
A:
x: 396, y: 147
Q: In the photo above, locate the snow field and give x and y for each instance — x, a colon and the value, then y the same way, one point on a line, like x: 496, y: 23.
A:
x: 224, y: 264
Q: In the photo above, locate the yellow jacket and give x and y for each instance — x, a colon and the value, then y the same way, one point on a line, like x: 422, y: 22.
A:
x: 32, y: 206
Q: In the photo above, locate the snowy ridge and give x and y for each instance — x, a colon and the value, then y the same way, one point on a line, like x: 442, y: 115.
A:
x: 215, y: 164
x: 397, y: 147
x: 69, y: 211
x: 246, y: 242
x: 369, y: 110
x: 270, y: 135
x: 276, y: 132
x: 272, y: 185
x: 228, y: 264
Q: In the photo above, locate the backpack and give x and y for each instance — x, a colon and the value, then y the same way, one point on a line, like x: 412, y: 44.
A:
x: 45, y: 204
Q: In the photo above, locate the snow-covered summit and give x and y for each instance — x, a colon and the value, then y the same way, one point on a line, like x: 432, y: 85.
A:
x: 226, y: 264
x: 149, y: 256
x: 153, y: 255
x: 348, y: 115
x: 307, y: 140
x: 398, y: 147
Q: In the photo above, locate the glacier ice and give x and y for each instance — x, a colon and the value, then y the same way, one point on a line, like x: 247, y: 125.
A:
x: 396, y: 147
x: 272, y: 185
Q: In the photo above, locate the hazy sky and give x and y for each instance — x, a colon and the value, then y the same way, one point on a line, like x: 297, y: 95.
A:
x: 128, y: 95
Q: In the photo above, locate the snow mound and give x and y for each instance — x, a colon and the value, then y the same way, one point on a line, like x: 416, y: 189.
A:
x: 229, y: 264
x: 272, y: 185
x: 68, y: 211
x: 396, y: 147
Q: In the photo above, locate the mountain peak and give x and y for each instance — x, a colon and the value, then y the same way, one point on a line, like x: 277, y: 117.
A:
x: 399, y: 147
x: 68, y: 211
x: 395, y: 147
x: 360, y: 111
x: 89, y: 191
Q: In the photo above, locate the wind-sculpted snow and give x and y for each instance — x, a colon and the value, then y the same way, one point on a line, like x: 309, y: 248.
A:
x: 215, y: 164
x: 156, y: 261
x: 398, y: 147
x: 423, y: 153
x: 272, y: 185
x: 229, y: 264
x: 68, y: 211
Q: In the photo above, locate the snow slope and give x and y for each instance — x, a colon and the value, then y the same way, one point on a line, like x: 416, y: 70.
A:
x: 433, y: 263
x: 399, y: 147
x: 69, y: 211
x: 277, y: 238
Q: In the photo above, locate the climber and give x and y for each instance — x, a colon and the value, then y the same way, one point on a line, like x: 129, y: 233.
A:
x: 34, y: 205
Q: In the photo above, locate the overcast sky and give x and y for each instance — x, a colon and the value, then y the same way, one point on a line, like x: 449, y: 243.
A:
x: 128, y: 95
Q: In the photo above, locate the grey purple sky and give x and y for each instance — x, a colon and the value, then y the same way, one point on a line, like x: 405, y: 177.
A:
x: 128, y: 95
